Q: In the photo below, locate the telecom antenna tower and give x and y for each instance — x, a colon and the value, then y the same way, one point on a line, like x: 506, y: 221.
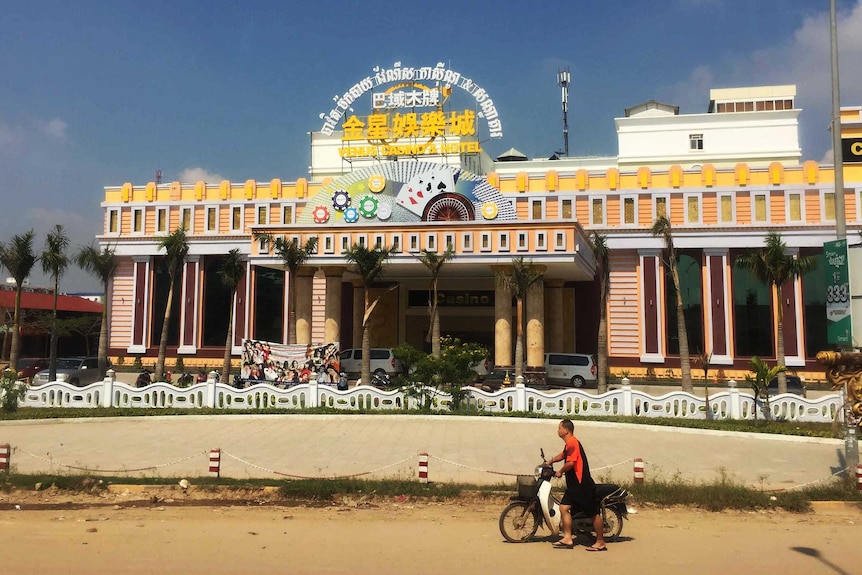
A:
x: 563, y: 79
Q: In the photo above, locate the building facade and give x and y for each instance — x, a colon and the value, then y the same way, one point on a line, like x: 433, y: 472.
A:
x: 724, y: 178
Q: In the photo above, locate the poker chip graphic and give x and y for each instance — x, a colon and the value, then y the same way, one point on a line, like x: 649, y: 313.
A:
x: 351, y: 215
x: 489, y: 210
x: 320, y: 215
x: 384, y: 211
x: 368, y: 206
x: 376, y: 183
x: 340, y: 200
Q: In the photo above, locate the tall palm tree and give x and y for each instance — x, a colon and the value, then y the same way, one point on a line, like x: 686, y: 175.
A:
x: 600, y: 251
x: 293, y: 257
x: 521, y: 279
x: 232, y: 271
x: 176, y: 246
x: 369, y: 265
x: 19, y: 259
x: 662, y: 227
x: 434, y: 263
x: 103, y: 265
x: 773, y: 266
x: 55, y: 262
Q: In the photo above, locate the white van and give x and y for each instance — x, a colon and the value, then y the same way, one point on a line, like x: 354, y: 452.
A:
x: 575, y: 369
x: 382, y: 361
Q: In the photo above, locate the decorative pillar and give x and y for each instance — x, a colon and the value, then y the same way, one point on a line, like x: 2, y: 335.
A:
x: 791, y: 305
x: 718, y: 326
x: 241, y: 310
x: 535, y: 335
x: 652, y: 306
x: 304, y: 287
x: 189, y: 307
x: 332, y: 318
x: 358, y: 313
x: 554, y: 308
x: 140, y: 305
x: 502, y: 321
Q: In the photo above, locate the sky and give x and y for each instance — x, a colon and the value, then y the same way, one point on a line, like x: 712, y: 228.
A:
x: 96, y: 94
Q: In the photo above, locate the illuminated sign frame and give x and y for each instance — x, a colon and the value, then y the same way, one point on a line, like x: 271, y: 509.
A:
x: 439, y: 73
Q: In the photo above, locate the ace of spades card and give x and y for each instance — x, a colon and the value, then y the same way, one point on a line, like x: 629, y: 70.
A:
x: 422, y: 188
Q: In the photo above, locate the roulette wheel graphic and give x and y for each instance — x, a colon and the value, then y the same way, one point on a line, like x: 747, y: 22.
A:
x: 448, y: 207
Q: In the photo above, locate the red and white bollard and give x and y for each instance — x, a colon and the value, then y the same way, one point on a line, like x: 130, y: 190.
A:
x: 858, y: 476
x: 4, y: 457
x: 639, y: 470
x: 423, y: 468
x: 215, y: 462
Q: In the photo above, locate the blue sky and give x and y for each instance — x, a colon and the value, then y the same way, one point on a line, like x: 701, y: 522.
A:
x: 101, y: 93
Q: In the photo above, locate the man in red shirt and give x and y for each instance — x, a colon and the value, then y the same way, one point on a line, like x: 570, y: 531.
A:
x: 580, y: 488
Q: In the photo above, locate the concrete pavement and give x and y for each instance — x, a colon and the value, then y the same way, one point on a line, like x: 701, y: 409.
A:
x: 479, y: 450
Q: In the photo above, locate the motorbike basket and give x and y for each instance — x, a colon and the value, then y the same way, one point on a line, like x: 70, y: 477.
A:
x: 527, y: 486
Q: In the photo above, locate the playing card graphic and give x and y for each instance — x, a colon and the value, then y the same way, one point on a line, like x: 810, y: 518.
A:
x: 419, y: 190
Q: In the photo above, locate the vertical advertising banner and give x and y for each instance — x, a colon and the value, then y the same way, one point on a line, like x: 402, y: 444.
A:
x: 839, y: 328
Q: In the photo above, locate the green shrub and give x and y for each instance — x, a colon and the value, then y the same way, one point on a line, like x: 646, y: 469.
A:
x: 137, y: 365
x: 11, y: 391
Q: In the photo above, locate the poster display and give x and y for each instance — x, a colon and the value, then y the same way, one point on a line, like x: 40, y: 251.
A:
x: 279, y: 363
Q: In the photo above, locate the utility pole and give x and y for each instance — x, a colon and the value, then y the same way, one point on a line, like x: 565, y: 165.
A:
x: 851, y: 443
x: 563, y: 79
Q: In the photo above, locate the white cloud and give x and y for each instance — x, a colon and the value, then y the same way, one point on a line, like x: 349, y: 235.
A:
x: 10, y: 137
x: 200, y: 175
x: 55, y: 128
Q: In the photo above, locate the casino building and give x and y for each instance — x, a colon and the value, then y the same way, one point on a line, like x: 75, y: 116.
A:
x: 411, y: 174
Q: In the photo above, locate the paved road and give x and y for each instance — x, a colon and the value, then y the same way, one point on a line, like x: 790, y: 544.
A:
x: 481, y: 450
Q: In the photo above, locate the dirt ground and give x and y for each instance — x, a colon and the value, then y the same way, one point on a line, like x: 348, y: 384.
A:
x: 166, y: 530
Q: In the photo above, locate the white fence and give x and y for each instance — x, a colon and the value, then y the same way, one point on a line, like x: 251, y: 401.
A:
x: 731, y: 404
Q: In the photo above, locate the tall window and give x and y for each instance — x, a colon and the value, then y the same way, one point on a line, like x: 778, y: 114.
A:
x: 597, y: 213
x: 161, y: 287
x: 162, y: 220
x: 752, y: 314
x: 794, y: 207
x: 216, y: 304
x: 692, y: 209
x: 113, y: 221
x: 629, y: 215
x: 660, y: 207
x: 186, y: 219
x: 725, y: 209
x: 212, y: 219
x: 828, y: 206
x: 814, y: 304
x: 269, y: 304
x: 261, y: 215
x: 537, y: 209
x: 287, y: 214
x: 566, y: 209
x: 690, y: 284
x: 138, y: 221
x: 759, y: 207
x: 236, y: 218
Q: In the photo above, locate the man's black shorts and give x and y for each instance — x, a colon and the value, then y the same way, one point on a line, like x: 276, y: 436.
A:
x: 581, y: 499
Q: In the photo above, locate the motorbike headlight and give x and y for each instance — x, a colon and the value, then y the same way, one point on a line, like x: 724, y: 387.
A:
x: 538, y: 472
x: 62, y: 376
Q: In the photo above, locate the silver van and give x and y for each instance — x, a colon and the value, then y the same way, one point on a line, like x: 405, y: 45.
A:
x: 382, y: 361
x: 574, y: 369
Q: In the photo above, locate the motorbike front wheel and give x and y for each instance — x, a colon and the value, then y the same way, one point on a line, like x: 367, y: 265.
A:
x: 519, y: 522
x: 613, y: 524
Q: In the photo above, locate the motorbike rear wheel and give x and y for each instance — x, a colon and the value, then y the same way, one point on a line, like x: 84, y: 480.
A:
x: 519, y: 522
x: 612, y: 520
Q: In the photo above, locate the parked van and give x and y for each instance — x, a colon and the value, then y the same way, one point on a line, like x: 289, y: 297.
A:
x: 382, y: 361
x: 574, y: 369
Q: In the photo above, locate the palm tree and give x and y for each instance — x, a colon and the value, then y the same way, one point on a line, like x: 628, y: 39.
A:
x: 773, y: 266
x: 55, y: 262
x: 600, y: 251
x: 434, y: 262
x: 103, y: 265
x: 293, y: 257
x: 19, y: 259
x: 523, y: 277
x: 369, y: 264
x: 662, y: 227
x: 176, y: 247
x: 231, y: 271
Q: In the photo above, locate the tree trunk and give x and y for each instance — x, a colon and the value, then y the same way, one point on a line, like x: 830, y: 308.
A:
x: 52, y: 352
x: 228, y: 344
x: 779, y: 345
x: 103, y: 336
x: 684, y: 360
x: 435, y: 322
x: 163, y: 341
x: 365, y: 371
x: 519, y: 339
x: 15, y: 353
x: 602, y: 343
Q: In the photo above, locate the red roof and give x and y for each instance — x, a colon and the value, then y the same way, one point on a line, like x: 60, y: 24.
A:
x: 33, y: 300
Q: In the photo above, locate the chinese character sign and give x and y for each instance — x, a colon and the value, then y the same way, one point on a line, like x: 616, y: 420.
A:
x: 838, y: 321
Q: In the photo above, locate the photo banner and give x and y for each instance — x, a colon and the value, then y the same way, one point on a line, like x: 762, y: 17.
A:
x: 270, y: 362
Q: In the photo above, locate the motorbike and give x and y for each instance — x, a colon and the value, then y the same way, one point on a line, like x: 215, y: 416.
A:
x: 144, y: 378
x: 535, y: 506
